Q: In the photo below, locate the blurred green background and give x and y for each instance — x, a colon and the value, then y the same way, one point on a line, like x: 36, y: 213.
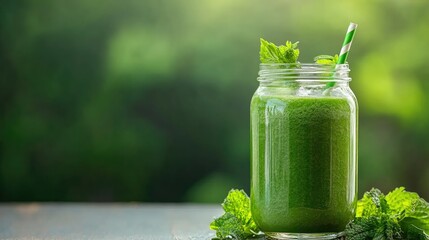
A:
x: 149, y: 100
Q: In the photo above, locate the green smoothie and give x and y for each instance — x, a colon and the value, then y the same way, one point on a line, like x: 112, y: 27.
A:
x: 301, y: 163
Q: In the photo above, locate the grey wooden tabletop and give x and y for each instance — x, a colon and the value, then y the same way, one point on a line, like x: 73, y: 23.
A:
x: 66, y: 221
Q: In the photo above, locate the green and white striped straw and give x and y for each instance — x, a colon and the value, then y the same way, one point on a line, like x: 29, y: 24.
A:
x: 345, y: 49
x: 347, y: 43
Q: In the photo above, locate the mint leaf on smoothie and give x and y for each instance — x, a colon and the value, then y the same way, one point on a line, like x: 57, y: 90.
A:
x: 326, y: 59
x: 271, y: 53
x: 237, y: 221
x: 398, y: 215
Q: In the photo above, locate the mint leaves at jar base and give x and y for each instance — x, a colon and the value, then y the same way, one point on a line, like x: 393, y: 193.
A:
x: 398, y: 215
x: 237, y: 221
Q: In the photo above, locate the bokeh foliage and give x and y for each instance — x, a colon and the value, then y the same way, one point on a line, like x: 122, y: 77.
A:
x: 149, y: 100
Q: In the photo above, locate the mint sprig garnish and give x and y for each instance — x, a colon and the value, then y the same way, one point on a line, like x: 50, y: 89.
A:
x: 237, y: 221
x: 398, y: 215
x: 326, y: 59
x: 271, y: 53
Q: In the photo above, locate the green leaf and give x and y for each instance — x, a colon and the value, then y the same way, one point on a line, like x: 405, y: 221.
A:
x: 415, y: 233
x: 271, y: 53
x: 228, y: 226
x: 400, y: 200
x: 238, y: 203
x: 237, y: 221
x: 326, y: 59
x: 380, y: 227
x: 373, y: 203
x: 398, y: 215
x: 361, y: 228
x: 409, y: 207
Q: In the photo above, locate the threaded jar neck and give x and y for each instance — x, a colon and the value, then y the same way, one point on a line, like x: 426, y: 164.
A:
x: 303, y: 72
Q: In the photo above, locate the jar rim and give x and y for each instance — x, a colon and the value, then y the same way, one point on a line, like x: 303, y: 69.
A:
x: 318, y: 65
x: 308, y: 72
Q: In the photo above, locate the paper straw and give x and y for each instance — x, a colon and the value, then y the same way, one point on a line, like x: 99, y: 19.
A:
x: 346, y: 48
x: 347, y: 43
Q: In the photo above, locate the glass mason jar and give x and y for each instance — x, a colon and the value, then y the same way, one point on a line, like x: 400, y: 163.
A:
x: 303, y: 150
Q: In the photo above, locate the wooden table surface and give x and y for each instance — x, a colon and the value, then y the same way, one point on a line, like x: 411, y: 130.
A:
x: 106, y: 221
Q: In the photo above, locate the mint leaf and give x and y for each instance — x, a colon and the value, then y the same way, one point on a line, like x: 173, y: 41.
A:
x: 326, y: 59
x: 228, y: 226
x: 398, y: 215
x: 373, y: 203
x: 402, y: 201
x: 415, y: 233
x: 361, y: 228
x: 373, y: 227
x: 373, y: 220
x: 236, y: 222
x: 271, y: 53
x: 410, y: 209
